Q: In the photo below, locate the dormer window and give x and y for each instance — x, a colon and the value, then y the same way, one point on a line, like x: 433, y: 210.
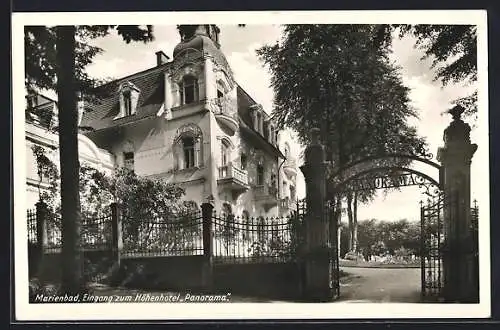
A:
x: 129, y: 97
x: 127, y: 103
x: 189, y: 90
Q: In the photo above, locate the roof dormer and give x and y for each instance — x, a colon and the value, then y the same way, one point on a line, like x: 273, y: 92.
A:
x: 128, y: 99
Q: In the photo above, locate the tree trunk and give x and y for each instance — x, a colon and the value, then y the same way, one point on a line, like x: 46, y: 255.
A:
x: 355, y: 222
x: 72, y: 281
x: 351, y: 225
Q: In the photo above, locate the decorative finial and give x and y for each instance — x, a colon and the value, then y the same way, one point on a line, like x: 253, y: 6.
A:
x: 456, y: 112
x: 315, y: 135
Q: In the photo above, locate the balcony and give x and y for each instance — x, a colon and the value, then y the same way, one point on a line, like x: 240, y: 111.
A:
x: 290, y: 167
x: 266, y: 194
x: 233, y: 179
x: 226, y: 113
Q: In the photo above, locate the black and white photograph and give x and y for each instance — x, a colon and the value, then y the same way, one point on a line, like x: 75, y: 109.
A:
x: 204, y: 165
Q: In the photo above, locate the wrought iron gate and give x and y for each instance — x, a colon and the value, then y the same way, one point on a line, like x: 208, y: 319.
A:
x: 432, y: 239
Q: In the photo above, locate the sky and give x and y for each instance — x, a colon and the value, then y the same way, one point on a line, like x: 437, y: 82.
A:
x: 428, y: 97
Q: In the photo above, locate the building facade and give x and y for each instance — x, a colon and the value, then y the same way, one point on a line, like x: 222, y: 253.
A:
x: 186, y: 120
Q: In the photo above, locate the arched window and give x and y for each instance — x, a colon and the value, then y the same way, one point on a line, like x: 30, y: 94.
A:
x: 188, y: 90
x: 225, y: 152
x: 128, y: 99
x: 127, y: 102
x: 187, y: 147
x: 260, y: 174
x: 221, y: 89
x: 188, y: 150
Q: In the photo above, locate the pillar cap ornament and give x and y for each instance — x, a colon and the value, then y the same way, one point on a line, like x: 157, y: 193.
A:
x: 456, y: 112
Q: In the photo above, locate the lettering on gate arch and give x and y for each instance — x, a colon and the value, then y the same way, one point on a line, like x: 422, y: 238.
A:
x: 386, y: 181
x: 384, y: 177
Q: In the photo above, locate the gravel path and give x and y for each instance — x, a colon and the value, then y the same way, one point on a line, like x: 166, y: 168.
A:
x: 401, y: 285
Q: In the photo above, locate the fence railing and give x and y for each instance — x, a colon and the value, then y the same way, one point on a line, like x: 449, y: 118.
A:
x: 175, y: 235
x: 242, y: 240
x: 31, y: 219
x: 225, y: 237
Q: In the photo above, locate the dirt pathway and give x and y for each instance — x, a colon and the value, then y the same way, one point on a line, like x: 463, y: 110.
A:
x: 380, y: 285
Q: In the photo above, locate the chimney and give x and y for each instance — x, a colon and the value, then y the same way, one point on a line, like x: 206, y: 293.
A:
x: 161, y: 58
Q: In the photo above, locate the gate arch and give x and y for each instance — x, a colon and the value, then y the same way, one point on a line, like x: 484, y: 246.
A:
x: 459, y: 279
x: 370, y: 173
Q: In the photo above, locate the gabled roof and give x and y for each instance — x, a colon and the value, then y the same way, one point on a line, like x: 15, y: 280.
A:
x: 151, y: 84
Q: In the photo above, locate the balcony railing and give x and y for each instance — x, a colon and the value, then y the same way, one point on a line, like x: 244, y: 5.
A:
x: 225, y: 106
x: 226, y: 112
x: 231, y: 172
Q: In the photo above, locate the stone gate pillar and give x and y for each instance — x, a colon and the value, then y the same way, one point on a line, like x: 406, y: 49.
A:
x: 316, y: 258
x: 458, y: 257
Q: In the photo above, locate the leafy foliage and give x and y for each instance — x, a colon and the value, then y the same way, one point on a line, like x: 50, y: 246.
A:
x: 339, y: 78
x: 40, y: 54
x: 394, y: 238
x: 452, y: 49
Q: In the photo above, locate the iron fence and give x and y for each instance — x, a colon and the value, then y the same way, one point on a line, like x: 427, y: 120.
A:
x: 31, y: 219
x: 254, y: 239
x: 97, y: 232
x: 175, y: 235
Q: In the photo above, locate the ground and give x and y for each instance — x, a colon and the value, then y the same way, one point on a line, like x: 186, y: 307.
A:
x: 400, y: 285
x: 371, y: 285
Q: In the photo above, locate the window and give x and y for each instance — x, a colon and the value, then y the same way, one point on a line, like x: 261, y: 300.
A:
x: 189, y: 90
x: 128, y: 160
x: 243, y: 161
x: 127, y: 103
x: 188, y: 149
x: 225, y: 152
x: 260, y: 175
x: 259, y: 123
x: 220, y: 93
x: 128, y: 99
